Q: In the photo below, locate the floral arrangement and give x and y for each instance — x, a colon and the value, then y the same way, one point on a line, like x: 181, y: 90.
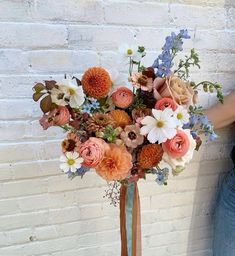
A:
x: 125, y: 131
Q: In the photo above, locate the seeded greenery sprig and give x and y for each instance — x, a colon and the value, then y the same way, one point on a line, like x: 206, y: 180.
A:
x: 110, y: 134
x: 184, y: 65
x: 210, y: 87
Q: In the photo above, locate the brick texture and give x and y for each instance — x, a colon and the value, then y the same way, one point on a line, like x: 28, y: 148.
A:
x: 42, y: 213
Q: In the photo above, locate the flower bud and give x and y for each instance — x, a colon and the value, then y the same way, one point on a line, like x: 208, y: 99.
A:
x: 205, y: 87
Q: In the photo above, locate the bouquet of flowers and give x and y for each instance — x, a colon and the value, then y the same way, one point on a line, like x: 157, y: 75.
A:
x: 128, y: 130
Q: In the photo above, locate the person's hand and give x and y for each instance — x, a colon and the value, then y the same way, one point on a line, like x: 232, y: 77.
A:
x: 222, y: 115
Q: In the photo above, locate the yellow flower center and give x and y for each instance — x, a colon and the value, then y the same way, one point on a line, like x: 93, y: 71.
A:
x: 71, y: 91
x: 129, y: 51
x: 70, y: 161
x: 179, y: 116
x: 160, y: 124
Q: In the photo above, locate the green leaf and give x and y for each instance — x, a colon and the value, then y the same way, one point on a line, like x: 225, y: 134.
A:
x: 102, y: 101
x: 38, y: 87
x: 46, y: 104
x: 38, y: 95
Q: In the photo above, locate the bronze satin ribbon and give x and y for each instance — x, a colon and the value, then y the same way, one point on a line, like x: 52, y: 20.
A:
x: 136, y: 227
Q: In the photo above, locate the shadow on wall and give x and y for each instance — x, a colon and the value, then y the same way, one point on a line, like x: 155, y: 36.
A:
x: 214, y: 163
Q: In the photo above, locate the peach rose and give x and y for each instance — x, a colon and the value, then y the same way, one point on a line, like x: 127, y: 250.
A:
x: 92, y: 151
x: 116, y: 164
x: 122, y: 97
x: 181, y: 92
x: 178, y: 146
x: 166, y: 103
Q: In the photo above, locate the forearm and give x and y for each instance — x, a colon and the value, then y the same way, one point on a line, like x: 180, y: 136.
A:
x: 222, y: 115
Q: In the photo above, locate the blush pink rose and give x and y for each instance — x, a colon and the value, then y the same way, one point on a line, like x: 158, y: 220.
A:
x: 92, y: 151
x: 122, y: 97
x: 180, y: 91
x: 178, y: 146
x: 166, y: 103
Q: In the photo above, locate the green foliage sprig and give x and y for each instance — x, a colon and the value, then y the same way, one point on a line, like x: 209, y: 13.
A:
x: 184, y: 65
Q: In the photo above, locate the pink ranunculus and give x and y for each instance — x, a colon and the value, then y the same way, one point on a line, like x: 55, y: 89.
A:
x: 47, y: 120
x: 92, y: 151
x: 122, y: 97
x: 178, y: 146
x: 166, y: 103
x: 62, y: 116
x: 57, y: 116
x: 180, y: 91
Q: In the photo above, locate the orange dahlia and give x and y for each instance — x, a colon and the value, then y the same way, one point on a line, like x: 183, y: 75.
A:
x: 121, y: 117
x: 96, y: 82
x: 116, y: 163
x: 150, y: 155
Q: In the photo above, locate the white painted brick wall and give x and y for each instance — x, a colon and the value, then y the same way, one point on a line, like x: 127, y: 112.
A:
x: 42, y: 213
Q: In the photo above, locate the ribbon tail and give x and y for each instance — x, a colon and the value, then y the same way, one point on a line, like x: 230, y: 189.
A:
x: 130, y: 226
x: 123, y: 191
x: 136, y: 224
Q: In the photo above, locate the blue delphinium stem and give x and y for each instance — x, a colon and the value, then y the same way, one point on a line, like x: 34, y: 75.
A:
x: 173, y: 44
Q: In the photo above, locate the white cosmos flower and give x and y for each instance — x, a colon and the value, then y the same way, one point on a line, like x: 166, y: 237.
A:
x: 70, y: 162
x: 182, y: 116
x: 130, y: 51
x: 72, y: 91
x: 160, y: 127
x: 118, y: 79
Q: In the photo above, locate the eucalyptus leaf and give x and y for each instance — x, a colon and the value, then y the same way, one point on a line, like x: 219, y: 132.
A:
x: 38, y: 87
x: 38, y: 95
x: 46, y: 104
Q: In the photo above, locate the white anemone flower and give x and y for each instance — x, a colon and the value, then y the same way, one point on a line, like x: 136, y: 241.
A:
x: 181, y: 115
x: 70, y: 162
x: 160, y: 127
x: 72, y: 91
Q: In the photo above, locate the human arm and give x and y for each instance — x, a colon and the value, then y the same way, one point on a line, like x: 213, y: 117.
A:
x: 222, y: 115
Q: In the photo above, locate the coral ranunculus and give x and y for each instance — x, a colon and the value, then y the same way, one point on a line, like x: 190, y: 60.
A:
x: 122, y: 97
x: 92, y: 151
x: 178, y: 164
x: 116, y: 164
x: 96, y: 82
x: 166, y: 103
x: 178, y: 146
